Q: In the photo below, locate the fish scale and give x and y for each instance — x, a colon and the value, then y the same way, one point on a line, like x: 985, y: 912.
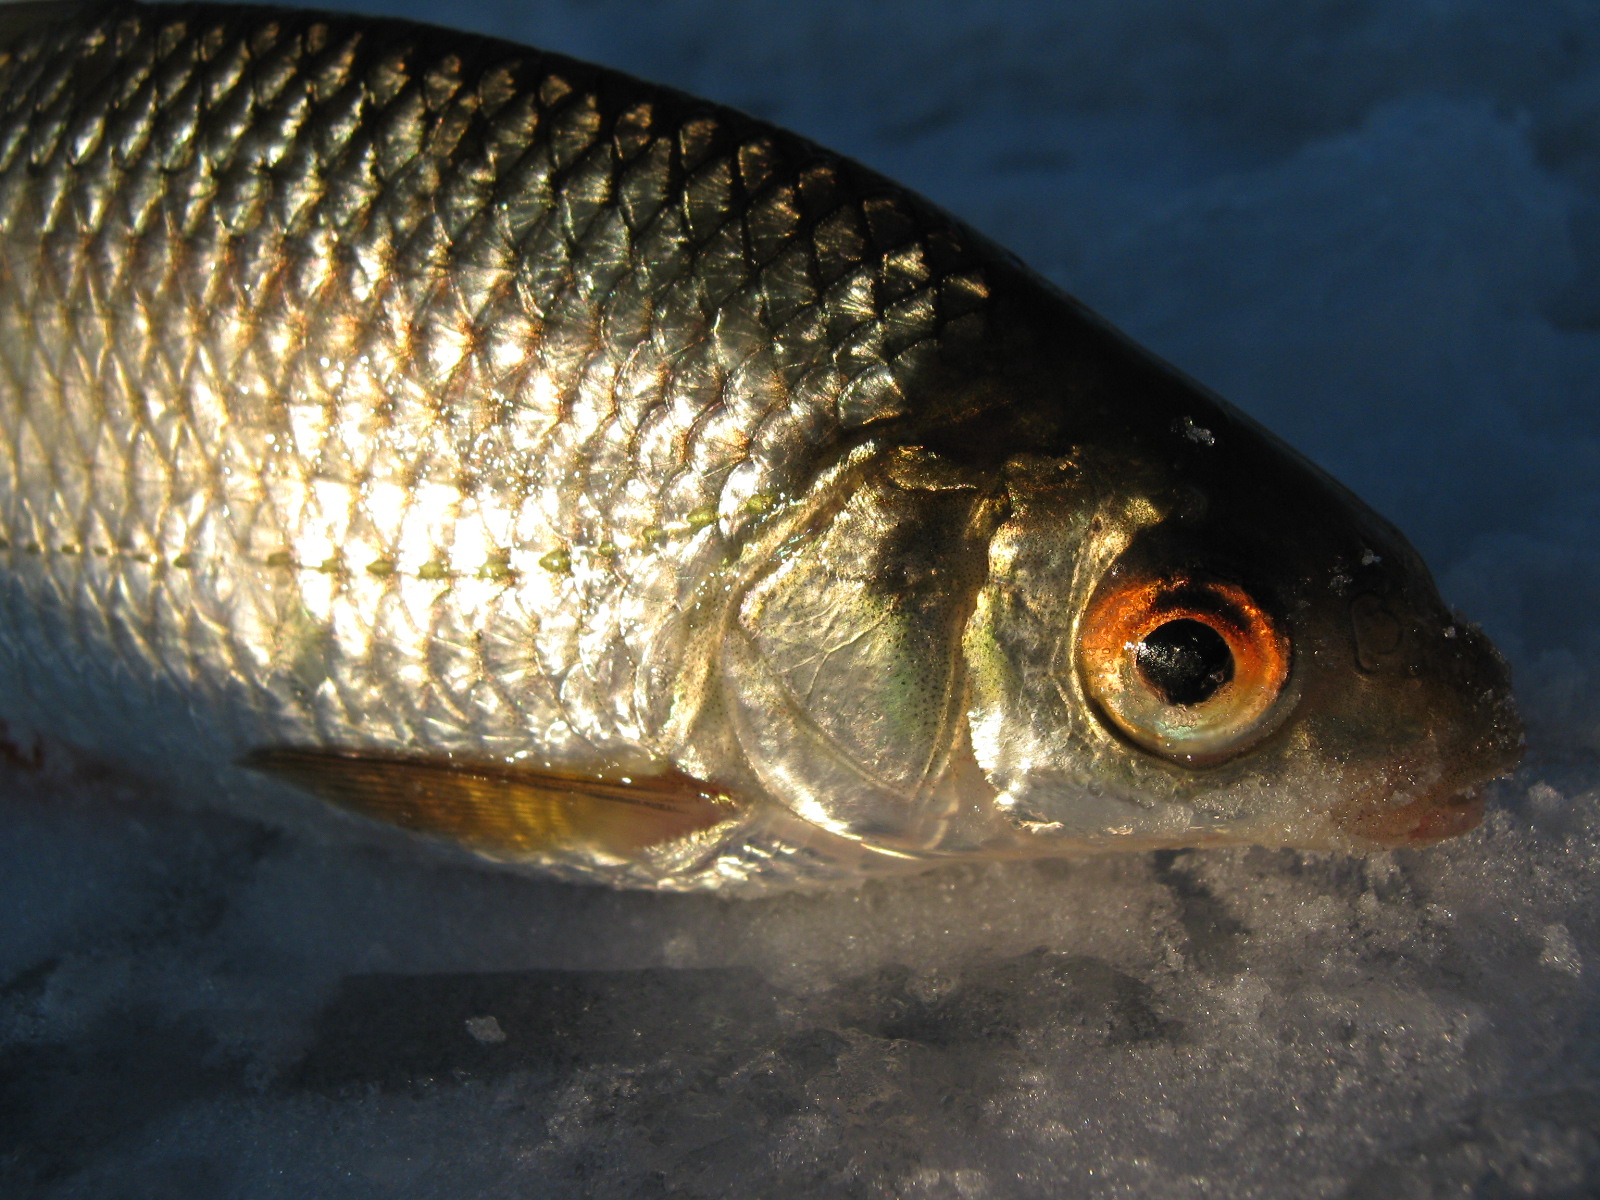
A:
x: 416, y: 257
x: 516, y: 452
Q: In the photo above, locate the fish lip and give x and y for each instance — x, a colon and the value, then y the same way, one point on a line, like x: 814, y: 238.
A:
x: 1444, y: 811
x: 1447, y: 817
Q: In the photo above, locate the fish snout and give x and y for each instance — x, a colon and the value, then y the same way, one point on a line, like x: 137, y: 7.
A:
x: 1456, y: 691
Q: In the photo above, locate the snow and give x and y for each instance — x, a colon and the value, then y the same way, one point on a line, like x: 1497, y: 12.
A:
x: 1377, y: 228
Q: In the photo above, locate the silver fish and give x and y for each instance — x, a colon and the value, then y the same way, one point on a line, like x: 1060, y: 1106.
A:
x: 407, y: 424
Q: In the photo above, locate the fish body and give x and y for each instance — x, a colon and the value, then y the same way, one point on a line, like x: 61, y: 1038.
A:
x: 427, y: 427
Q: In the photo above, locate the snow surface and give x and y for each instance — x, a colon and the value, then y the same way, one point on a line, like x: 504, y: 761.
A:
x: 1376, y: 226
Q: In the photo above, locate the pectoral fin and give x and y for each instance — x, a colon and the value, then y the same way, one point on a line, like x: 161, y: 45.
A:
x: 506, y: 809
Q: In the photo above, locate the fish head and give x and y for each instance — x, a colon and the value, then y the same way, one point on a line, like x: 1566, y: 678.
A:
x: 1099, y: 608
x: 1188, y: 635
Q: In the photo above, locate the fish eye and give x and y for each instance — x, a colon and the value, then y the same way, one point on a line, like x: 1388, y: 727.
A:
x: 1190, y: 669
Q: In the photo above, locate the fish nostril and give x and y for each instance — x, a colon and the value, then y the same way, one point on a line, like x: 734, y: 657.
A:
x: 1378, y: 632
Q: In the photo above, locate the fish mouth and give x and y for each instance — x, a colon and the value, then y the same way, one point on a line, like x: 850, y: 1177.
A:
x: 1444, y: 812
x: 1406, y: 808
x: 1436, y: 790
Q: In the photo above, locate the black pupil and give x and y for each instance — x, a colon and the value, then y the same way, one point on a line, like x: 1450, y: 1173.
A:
x: 1186, y: 661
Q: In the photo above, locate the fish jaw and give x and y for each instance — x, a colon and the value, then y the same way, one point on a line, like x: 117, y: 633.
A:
x: 1440, y: 793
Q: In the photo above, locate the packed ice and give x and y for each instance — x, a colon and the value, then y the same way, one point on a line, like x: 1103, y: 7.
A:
x: 1375, y: 227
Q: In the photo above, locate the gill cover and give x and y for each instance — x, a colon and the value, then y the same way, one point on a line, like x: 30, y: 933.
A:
x: 842, y: 667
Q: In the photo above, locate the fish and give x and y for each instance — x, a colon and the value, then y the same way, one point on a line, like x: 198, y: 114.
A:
x: 402, y: 429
